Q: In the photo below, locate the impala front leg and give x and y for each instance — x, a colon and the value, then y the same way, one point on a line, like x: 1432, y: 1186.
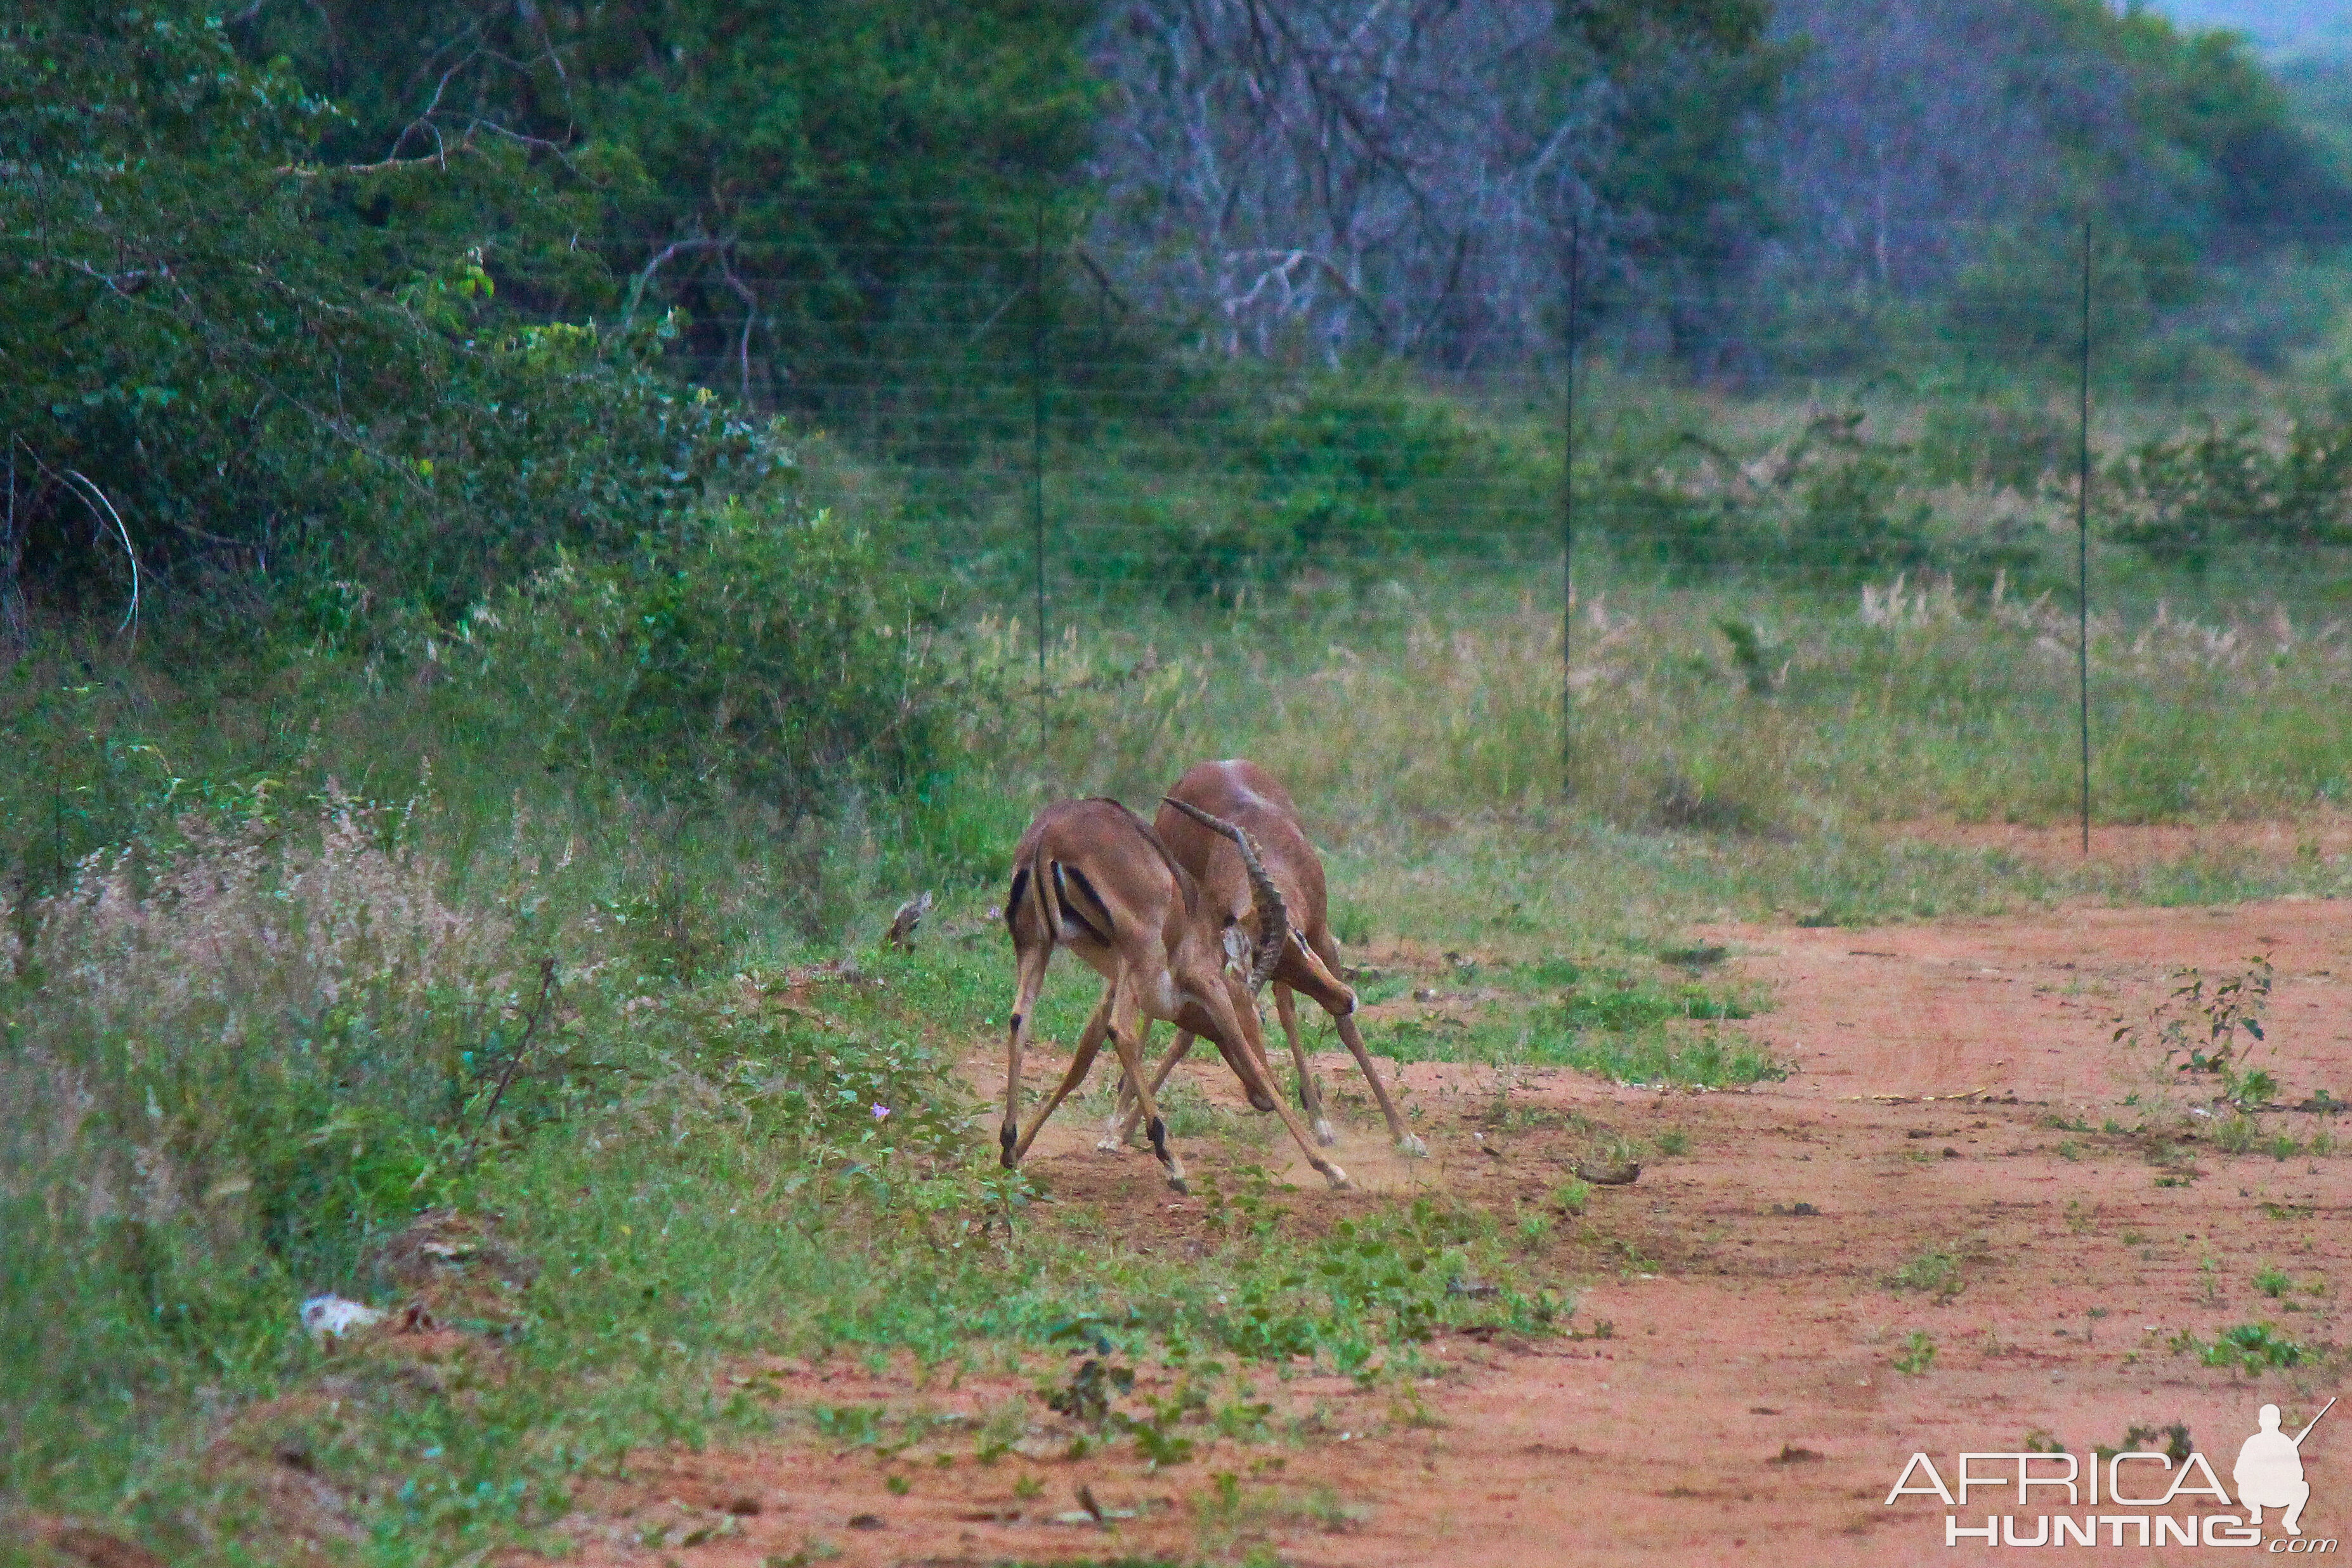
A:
x: 1228, y: 1014
x: 1319, y: 964
x: 1127, y: 1027
x: 1127, y: 1110
x: 1406, y: 1143
x: 1130, y: 1110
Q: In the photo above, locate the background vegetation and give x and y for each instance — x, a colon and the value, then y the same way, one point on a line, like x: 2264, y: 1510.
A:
x: 519, y: 554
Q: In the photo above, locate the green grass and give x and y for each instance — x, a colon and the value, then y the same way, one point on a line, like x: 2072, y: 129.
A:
x: 1603, y: 1019
x: 690, y: 1150
x: 698, y: 1169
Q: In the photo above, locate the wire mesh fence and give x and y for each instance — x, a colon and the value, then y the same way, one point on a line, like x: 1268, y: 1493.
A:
x: 2051, y: 444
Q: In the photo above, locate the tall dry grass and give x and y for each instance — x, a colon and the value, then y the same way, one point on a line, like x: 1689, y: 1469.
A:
x: 181, y: 1018
x: 1724, y: 709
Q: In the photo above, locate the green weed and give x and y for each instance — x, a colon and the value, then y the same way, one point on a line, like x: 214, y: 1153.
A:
x: 2246, y: 1347
x: 1937, y: 1272
x: 1918, y: 1355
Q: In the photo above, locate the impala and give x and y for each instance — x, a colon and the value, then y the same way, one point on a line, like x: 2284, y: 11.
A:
x: 1093, y: 877
x: 1200, y: 820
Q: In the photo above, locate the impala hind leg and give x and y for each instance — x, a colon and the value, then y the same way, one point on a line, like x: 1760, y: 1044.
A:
x: 1127, y: 1031
x: 1319, y: 962
x: 1030, y: 970
x: 1310, y: 1093
x: 1081, y: 1061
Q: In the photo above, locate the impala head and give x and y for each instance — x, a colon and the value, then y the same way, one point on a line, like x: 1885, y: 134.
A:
x: 1272, y: 918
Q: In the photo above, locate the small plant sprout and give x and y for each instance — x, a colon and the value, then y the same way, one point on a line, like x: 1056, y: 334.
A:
x: 1918, y: 1355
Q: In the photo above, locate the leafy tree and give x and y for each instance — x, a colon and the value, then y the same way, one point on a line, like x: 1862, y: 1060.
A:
x: 1949, y: 151
x: 836, y: 192
x: 212, y: 388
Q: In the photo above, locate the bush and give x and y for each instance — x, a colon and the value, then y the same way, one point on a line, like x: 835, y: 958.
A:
x: 1831, y: 505
x: 1345, y: 476
x: 2181, y: 501
x: 1979, y: 440
x: 747, y: 652
x: 256, y: 1038
x: 1852, y: 520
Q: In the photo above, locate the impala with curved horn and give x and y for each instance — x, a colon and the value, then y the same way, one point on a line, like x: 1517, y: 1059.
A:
x: 1270, y: 860
x: 1093, y: 877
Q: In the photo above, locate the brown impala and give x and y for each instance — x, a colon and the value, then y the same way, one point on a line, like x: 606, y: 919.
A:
x: 1241, y: 795
x: 1093, y: 877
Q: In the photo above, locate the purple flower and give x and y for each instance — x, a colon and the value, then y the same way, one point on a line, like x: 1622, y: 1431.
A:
x: 881, y: 1112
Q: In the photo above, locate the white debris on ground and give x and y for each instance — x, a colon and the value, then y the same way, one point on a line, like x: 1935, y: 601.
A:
x: 325, y: 1315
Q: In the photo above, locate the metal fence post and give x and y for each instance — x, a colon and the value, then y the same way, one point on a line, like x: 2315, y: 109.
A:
x: 1568, y: 512
x: 2082, y: 545
x: 1037, y: 443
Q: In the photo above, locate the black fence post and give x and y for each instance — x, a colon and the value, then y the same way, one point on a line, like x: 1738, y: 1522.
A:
x: 1568, y: 513
x: 1037, y: 444
x: 2082, y: 545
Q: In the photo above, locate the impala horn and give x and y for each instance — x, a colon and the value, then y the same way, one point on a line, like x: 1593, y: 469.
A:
x: 1273, y: 917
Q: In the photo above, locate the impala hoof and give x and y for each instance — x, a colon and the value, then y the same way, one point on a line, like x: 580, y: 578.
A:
x: 1176, y: 1184
x: 1413, y: 1147
x: 1325, y: 1135
x: 1339, y: 1180
x: 1109, y: 1144
x: 1260, y: 1100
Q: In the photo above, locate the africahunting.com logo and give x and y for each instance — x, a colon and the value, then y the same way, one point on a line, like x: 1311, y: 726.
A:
x: 2132, y: 1498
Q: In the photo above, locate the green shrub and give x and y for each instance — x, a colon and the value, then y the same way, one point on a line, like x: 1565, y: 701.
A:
x: 1831, y: 505
x: 1994, y: 441
x: 2251, y: 1348
x: 1852, y: 520
x: 1346, y: 476
x: 747, y: 651
x: 2183, y: 500
x: 1357, y: 469
x: 1685, y: 534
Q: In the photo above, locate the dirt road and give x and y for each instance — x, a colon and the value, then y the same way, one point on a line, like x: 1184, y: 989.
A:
x: 1953, y: 1083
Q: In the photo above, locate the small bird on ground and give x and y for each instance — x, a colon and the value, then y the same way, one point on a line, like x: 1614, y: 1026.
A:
x: 910, y: 915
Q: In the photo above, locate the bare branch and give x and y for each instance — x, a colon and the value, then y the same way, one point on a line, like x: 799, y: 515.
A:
x: 646, y: 274
x: 131, y: 616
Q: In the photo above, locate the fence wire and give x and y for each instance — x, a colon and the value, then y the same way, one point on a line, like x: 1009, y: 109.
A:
x: 2069, y: 430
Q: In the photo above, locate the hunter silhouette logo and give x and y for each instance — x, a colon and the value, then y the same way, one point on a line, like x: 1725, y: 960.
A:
x: 2269, y: 1475
x: 2269, y: 1471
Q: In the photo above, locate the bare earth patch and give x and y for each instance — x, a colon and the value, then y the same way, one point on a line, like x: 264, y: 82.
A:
x: 1728, y: 1389
x: 2059, y: 844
